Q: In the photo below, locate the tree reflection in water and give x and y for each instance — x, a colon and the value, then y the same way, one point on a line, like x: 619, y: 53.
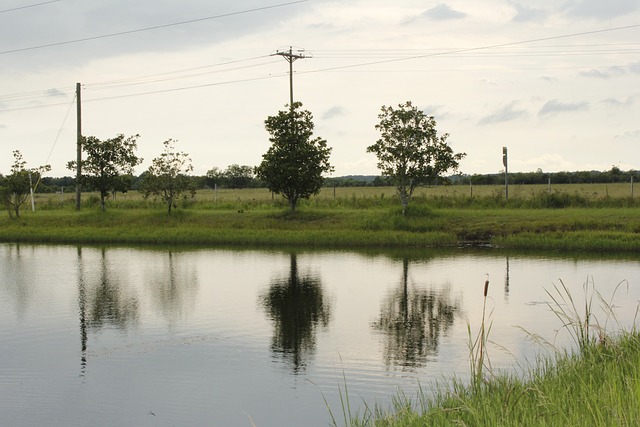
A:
x: 173, y: 286
x: 82, y: 308
x: 296, y: 305
x: 412, y: 320
x: 106, y: 304
x: 100, y: 303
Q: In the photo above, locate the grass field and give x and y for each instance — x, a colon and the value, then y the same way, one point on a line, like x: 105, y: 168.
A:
x: 580, y: 217
x: 588, y: 193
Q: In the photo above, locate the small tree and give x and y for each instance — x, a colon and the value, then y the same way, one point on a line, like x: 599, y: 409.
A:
x: 294, y: 164
x: 168, y: 176
x: 18, y: 185
x: 410, y: 152
x: 109, y: 164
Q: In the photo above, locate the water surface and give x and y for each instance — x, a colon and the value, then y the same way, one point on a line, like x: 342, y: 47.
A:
x: 135, y: 336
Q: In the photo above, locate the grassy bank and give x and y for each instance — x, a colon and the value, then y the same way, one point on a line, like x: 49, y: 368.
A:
x: 598, y: 386
x: 595, y: 384
x: 350, y: 217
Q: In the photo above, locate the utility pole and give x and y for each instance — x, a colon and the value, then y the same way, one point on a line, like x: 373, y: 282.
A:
x: 291, y: 57
x: 505, y: 162
x: 78, y: 145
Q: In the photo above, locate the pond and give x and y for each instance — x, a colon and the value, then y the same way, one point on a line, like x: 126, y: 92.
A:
x: 107, y: 336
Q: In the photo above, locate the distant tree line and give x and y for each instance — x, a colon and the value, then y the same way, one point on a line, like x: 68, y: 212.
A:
x: 238, y: 176
x: 613, y: 175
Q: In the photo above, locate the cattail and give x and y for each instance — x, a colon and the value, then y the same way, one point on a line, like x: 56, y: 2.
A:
x: 486, y: 287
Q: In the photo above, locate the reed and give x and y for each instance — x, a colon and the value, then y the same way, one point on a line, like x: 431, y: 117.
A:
x: 478, y: 356
x: 599, y: 384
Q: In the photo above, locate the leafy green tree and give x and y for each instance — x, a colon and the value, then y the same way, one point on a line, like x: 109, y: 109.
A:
x: 18, y: 184
x: 294, y: 164
x: 239, y: 176
x: 215, y: 177
x: 410, y: 152
x: 168, y: 176
x: 108, y: 167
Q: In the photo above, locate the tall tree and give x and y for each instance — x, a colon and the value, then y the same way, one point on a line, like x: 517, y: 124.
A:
x: 410, y: 152
x: 294, y: 164
x: 108, y: 167
x: 168, y: 177
x: 18, y: 184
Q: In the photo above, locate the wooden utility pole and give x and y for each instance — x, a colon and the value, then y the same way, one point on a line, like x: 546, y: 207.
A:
x: 291, y: 57
x: 505, y: 162
x: 78, y: 145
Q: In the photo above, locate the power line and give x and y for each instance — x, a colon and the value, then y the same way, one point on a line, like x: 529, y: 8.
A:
x: 157, y: 79
x: 155, y: 27
x: 472, y: 49
x: 182, y: 70
x: 337, y: 68
x: 440, y: 49
x: 29, y: 6
x: 64, y: 121
x: 131, y: 95
x: 136, y: 80
x: 475, y: 69
x: 185, y: 88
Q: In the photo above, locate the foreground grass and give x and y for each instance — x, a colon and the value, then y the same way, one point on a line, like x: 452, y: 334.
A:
x: 598, y: 386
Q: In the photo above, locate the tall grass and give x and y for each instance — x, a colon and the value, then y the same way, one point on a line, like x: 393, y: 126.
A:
x: 597, y: 385
x: 477, y: 347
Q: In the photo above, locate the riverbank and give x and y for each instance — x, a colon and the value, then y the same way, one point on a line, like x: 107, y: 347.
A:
x: 571, y: 229
x: 597, y: 386
x: 594, y: 383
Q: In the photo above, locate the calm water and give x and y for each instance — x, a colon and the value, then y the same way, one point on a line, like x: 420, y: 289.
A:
x: 122, y: 336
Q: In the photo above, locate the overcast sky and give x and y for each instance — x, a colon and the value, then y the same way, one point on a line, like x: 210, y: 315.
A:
x: 557, y: 82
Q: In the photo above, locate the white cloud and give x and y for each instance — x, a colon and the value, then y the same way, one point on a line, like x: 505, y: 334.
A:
x: 609, y: 72
x: 439, y: 112
x: 554, y: 107
x: 528, y: 14
x: 635, y: 68
x: 601, y: 10
x: 548, y: 78
x: 628, y: 102
x: 630, y: 135
x: 548, y: 162
x: 335, y: 111
x: 504, y: 114
x: 56, y: 93
x: 443, y: 12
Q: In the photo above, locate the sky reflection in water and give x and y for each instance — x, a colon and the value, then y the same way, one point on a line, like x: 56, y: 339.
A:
x: 122, y: 336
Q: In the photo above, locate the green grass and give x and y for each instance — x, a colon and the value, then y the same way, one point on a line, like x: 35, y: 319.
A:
x: 355, y: 217
x: 597, y: 384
